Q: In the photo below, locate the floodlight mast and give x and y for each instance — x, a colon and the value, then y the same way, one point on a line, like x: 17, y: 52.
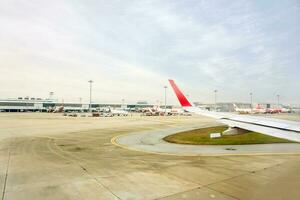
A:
x: 90, y: 105
x: 165, y: 100
x: 251, y: 100
x: 215, y: 91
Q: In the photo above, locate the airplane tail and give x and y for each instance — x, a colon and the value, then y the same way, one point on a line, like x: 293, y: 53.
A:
x: 180, y: 96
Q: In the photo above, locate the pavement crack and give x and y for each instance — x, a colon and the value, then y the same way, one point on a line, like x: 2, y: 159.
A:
x: 99, y: 182
x: 244, y: 174
x: 106, y: 188
x: 68, y: 157
x: 84, y: 169
x: 223, y: 193
x: 6, y: 174
x: 194, y: 188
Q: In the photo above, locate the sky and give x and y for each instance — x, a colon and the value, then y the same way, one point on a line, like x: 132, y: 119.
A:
x: 130, y: 48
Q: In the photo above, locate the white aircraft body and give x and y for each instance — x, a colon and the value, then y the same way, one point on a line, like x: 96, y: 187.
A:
x: 158, y: 111
x: 242, y: 110
x: 285, y: 129
x: 173, y: 111
x: 58, y: 109
x: 257, y: 110
x: 119, y: 112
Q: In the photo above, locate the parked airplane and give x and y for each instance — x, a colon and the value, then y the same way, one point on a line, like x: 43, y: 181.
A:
x: 168, y: 111
x: 242, y: 110
x: 153, y: 111
x: 286, y: 110
x: 275, y: 127
x: 118, y: 112
x: 273, y: 110
x: 257, y: 110
x: 58, y: 109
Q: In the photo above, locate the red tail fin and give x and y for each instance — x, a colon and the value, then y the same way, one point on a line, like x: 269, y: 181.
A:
x: 181, y: 98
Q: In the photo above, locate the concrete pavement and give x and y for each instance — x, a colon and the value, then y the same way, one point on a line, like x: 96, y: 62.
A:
x: 47, y: 156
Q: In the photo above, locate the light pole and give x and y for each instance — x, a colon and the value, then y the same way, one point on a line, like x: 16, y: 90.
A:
x: 80, y: 102
x: 251, y: 100
x: 90, y: 106
x: 123, y: 100
x: 278, y: 101
x: 51, y: 95
x: 165, y: 99
x: 215, y: 91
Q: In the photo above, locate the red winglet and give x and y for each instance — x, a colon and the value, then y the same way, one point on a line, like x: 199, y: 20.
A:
x: 182, y: 99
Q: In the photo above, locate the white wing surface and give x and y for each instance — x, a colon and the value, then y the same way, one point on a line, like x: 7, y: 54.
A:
x: 285, y: 129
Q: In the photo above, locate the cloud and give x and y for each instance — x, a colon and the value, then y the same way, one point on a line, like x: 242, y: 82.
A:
x: 131, y: 48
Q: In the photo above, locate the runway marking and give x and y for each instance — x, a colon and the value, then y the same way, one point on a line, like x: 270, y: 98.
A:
x: 114, y: 142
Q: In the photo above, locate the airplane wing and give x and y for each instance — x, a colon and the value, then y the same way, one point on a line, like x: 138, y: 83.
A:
x: 285, y: 129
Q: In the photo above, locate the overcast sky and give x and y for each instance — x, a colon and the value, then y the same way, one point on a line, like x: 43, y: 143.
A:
x: 130, y: 49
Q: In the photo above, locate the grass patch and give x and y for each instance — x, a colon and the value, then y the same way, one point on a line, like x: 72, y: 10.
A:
x: 202, y: 136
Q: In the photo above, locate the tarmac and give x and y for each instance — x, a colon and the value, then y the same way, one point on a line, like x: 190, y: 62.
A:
x: 152, y: 142
x: 48, y: 156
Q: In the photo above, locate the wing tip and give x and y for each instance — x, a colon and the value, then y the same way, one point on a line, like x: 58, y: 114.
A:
x: 180, y: 96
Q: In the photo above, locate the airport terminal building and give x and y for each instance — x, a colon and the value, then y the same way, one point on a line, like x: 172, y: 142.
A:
x: 43, y: 105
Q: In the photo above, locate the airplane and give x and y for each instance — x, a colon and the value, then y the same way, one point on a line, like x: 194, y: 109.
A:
x: 285, y: 129
x: 168, y: 111
x: 273, y: 110
x: 242, y: 110
x: 257, y: 110
x: 118, y: 112
x: 286, y: 110
x: 278, y: 110
x: 58, y: 109
x: 153, y: 111
x: 156, y: 110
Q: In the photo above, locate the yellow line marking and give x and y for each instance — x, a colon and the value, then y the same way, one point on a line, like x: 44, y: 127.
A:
x: 114, y: 142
